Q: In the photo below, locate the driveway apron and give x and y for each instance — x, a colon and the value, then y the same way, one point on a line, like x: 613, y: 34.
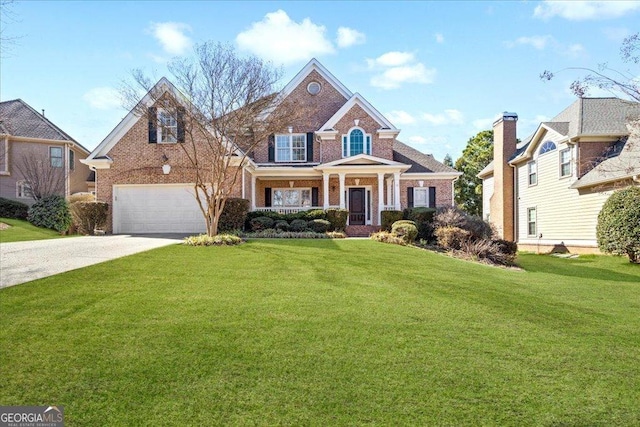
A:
x: 22, y: 262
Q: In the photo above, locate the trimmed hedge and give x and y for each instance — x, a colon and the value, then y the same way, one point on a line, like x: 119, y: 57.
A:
x: 337, y: 218
x: 319, y: 225
x: 423, y: 217
x: 13, y: 209
x: 618, y: 229
x: 405, y: 229
x: 88, y: 216
x: 50, y: 212
x: 261, y: 223
x: 233, y: 215
x: 389, y: 217
x: 298, y: 225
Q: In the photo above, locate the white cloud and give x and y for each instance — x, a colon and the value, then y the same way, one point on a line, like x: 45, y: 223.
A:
x: 393, y: 77
x: 279, y: 39
x: 439, y: 38
x: 537, y: 42
x: 348, y: 37
x: 483, y: 124
x: 616, y: 34
x: 399, y: 117
x: 392, y: 59
x: 103, y: 98
x: 172, y: 37
x: 585, y: 10
x: 574, y: 50
x: 448, y: 117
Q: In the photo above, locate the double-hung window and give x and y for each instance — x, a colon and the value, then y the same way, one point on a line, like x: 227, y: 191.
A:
x: 291, y: 147
x: 291, y: 197
x: 421, y: 197
x: 565, y: 162
x: 531, y: 222
x: 532, y: 169
x: 72, y: 160
x: 23, y: 190
x: 55, y: 157
x: 167, y: 126
x: 356, y: 142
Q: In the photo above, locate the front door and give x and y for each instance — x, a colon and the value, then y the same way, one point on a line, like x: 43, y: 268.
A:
x: 357, y: 206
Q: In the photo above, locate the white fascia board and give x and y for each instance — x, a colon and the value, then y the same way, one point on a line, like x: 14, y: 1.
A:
x: 97, y: 163
x: 327, y: 134
x: 388, y: 133
x: 358, y: 99
x: 285, y: 172
x: 348, y: 161
x: 431, y: 175
x: 363, y: 169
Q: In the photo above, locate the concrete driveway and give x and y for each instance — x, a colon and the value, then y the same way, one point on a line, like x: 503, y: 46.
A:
x: 22, y: 262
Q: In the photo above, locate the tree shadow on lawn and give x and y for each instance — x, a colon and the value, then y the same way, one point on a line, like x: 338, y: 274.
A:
x: 583, y: 267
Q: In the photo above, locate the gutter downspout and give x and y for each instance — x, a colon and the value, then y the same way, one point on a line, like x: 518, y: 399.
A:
x: 516, y: 226
x: 453, y: 191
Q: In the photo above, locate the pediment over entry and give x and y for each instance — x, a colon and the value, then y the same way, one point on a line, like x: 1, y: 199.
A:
x: 363, y: 162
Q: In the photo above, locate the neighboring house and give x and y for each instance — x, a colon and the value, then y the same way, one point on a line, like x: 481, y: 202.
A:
x: 546, y: 192
x: 343, y: 154
x: 26, y: 135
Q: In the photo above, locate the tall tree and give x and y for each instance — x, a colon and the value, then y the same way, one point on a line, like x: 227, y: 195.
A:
x: 448, y: 161
x: 226, y: 106
x: 468, y: 188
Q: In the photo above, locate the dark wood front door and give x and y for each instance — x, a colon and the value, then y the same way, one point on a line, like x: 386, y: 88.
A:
x: 356, y: 206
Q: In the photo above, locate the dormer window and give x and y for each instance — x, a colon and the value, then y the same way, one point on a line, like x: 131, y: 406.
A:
x: 356, y: 142
x: 547, y: 146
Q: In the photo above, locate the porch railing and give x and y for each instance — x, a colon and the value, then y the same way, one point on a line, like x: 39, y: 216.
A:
x: 289, y: 210
x: 388, y: 208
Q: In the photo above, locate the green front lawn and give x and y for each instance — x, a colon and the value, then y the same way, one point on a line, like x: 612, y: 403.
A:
x: 326, y: 332
x: 22, y: 230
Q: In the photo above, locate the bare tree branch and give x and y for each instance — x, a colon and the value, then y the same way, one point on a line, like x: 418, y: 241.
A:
x: 43, y: 178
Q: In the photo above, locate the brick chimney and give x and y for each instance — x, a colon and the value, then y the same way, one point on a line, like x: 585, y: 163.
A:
x: 502, y: 203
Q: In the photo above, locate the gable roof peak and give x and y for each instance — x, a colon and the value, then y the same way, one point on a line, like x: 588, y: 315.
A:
x: 315, y: 65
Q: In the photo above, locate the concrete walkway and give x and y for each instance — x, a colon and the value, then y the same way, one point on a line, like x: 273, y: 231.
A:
x: 22, y: 262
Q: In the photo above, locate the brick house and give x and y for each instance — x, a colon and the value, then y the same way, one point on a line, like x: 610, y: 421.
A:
x: 546, y: 192
x: 342, y: 154
x: 25, y: 133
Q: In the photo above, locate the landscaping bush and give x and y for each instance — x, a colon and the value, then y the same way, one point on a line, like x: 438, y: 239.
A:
x: 486, y: 250
x: 219, y: 240
x: 406, y: 230
x: 88, y: 216
x: 282, y: 225
x: 319, y: 225
x: 337, y: 218
x: 618, y: 229
x: 234, y: 214
x: 507, y: 247
x: 450, y: 237
x: 13, y: 209
x: 275, y: 234
x: 261, y: 223
x: 387, y: 237
x: 313, y: 214
x: 454, y: 217
x: 81, y: 197
x: 389, y: 217
x: 423, y: 217
x: 298, y: 225
x: 50, y: 212
x: 336, y: 235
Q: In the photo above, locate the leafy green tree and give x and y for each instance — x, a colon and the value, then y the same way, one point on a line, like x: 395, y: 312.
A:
x: 448, y: 161
x: 468, y: 188
x: 618, y: 229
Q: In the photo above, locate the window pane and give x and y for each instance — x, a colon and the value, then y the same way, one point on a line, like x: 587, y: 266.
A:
x: 356, y: 140
x: 306, y: 198
x: 276, y: 199
x: 299, y: 147
x: 420, y: 197
x: 168, y: 126
x: 292, y: 198
x: 283, y: 148
x: 55, y: 153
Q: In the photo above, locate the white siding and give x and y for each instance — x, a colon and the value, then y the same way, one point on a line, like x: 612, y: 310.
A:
x: 563, y: 214
x: 487, y: 192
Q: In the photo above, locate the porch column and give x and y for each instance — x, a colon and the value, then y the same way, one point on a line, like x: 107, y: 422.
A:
x: 253, y: 192
x: 343, y: 203
x: 396, y: 191
x: 389, y: 198
x: 325, y: 191
x: 380, y: 196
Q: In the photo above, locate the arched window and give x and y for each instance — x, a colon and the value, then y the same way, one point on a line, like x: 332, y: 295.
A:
x: 547, y: 146
x: 356, y: 142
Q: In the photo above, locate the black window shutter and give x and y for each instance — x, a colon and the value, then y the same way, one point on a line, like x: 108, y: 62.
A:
x: 409, y: 197
x: 314, y: 196
x: 180, y: 136
x: 153, y: 125
x: 272, y: 149
x: 267, y: 197
x: 432, y: 197
x: 310, y: 148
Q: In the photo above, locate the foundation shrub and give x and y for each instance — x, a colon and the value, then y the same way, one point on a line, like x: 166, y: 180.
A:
x: 451, y: 237
x: 337, y: 218
x: 298, y: 225
x: 423, y: 217
x: 261, y: 223
x: 389, y: 217
x: 88, y: 216
x: 50, y: 212
x: 233, y: 215
x: 318, y: 225
x: 218, y: 240
x: 387, y: 237
x: 618, y: 229
x: 13, y: 209
x: 406, y: 230
x: 281, y: 225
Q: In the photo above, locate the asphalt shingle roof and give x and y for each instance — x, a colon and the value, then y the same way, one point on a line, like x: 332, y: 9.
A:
x: 17, y: 118
x: 420, y: 162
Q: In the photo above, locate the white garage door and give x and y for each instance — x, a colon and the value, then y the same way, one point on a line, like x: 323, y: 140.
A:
x: 156, y: 209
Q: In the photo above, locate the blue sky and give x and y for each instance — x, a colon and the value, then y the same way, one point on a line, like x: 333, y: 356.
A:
x: 440, y: 71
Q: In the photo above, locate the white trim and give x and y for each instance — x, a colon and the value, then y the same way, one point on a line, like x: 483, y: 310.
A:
x: 357, y: 99
x: 298, y: 189
x: 529, y: 173
x: 570, y: 174
x: 5, y: 156
x: 312, y: 65
x: 159, y: 126
x: 289, y: 136
x: 425, y: 190
x: 535, y: 221
x: 62, y: 157
x: 365, y: 135
x: 20, y: 189
x: 431, y: 175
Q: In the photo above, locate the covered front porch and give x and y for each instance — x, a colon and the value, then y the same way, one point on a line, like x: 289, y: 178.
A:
x: 364, y: 185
